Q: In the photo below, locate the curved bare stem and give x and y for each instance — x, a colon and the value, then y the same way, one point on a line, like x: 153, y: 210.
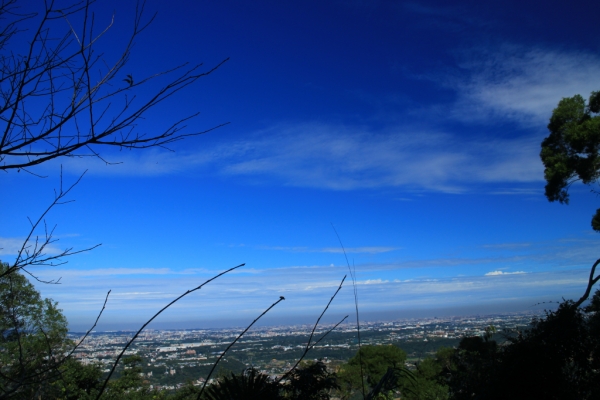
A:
x: 234, y: 342
x: 151, y: 319
x: 591, y: 282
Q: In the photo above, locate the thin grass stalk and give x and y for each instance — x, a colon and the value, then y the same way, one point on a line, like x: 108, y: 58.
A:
x: 353, y: 277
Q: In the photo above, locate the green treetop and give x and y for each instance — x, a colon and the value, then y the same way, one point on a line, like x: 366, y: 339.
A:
x: 570, y: 152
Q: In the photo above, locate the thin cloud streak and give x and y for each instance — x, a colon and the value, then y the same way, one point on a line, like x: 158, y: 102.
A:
x: 12, y: 246
x: 135, y: 298
x: 340, y: 157
x: 137, y: 292
x: 521, y: 83
x: 498, y: 273
x: 346, y: 158
x: 514, y: 82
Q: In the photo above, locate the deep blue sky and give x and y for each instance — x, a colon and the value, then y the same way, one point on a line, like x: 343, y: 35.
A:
x: 414, y: 128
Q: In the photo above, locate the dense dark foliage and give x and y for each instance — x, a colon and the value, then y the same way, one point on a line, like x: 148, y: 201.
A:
x: 557, y: 358
x: 311, y: 382
x: 251, y: 384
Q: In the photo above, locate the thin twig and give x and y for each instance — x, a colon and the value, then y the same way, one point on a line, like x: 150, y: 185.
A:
x: 93, y: 326
x: 27, y: 257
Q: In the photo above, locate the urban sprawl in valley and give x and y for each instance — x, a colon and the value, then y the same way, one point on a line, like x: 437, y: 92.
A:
x: 173, y: 357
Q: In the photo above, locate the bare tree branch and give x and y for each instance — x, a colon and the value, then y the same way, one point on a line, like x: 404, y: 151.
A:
x: 59, y: 73
x: 591, y: 282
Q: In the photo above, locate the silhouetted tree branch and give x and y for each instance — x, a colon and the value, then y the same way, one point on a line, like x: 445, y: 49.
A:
x: 63, y: 98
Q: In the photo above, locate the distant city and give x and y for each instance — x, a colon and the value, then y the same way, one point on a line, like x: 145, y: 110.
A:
x: 170, y: 358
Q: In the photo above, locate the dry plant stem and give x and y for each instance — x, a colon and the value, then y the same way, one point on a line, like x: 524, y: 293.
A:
x: 324, y: 311
x: 234, y: 342
x: 82, y: 339
x: 353, y: 276
x: 27, y: 256
x: 310, y: 348
x: 592, y: 281
x: 151, y: 319
x: 308, y: 344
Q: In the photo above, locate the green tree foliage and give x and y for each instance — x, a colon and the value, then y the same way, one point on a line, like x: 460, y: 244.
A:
x: 312, y: 381
x: 570, y: 152
x: 131, y: 385
x: 76, y: 381
x: 429, y: 382
x: 375, y: 362
x: 32, y: 338
x: 34, y: 347
x: 559, y: 358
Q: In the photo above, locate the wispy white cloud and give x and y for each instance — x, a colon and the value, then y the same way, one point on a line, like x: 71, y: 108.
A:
x: 12, y: 246
x: 373, y: 282
x: 522, y: 83
x: 147, y: 163
x: 498, y: 272
x: 344, y: 158
x: 511, y: 83
x: 538, y: 271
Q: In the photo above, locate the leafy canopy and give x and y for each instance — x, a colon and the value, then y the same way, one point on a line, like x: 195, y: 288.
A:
x: 570, y: 152
x: 33, y: 337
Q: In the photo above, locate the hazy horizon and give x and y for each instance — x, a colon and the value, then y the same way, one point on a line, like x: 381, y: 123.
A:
x: 310, y: 320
